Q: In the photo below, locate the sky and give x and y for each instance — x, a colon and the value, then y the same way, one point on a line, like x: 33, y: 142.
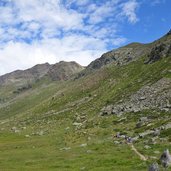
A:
x: 38, y: 31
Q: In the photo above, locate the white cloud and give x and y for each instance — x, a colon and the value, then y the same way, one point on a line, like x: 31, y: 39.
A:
x: 7, y: 15
x: 21, y: 55
x: 48, y: 12
x: 38, y: 31
x: 129, y: 10
x: 100, y: 13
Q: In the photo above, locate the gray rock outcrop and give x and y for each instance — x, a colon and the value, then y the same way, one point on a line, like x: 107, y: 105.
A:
x: 155, y: 96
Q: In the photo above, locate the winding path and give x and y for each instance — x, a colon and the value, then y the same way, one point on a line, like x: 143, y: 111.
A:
x: 142, y: 157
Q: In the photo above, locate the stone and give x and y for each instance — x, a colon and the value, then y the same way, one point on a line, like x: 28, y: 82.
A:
x: 142, y: 98
x: 141, y: 135
x: 156, y: 132
x: 163, y: 140
x: 143, y: 119
x: 168, y: 126
x: 118, y: 135
x: 123, y: 136
x: 67, y: 128
x: 107, y: 110
x: 83, y: 145
x: 16, y: 131
x: 147, y: 147
x: 13, y: 128
x: 27, y: 136
x: 89, y: 138
x: 154, y: 167
x: 162, y: 128
x: 139, y: 124
x: 77, y: 124
x: 165, y: 159
x: 40, y: 133
x: 116, y: 142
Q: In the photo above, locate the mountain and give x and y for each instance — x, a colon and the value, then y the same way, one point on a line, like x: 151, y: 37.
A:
x: 132, y: 52
x: 160, y: 49
x: 115, y: 114
x: 58, y: 71
x: 24, y: 76
x: 121, y: 56
x: 63, y: 70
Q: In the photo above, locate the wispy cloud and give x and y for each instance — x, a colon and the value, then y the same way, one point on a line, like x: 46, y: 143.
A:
x: 37, y: 31
x: 157, y: 2
x: 129, y: 10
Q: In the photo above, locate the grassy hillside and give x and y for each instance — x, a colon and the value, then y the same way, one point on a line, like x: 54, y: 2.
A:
x: 57, y: 125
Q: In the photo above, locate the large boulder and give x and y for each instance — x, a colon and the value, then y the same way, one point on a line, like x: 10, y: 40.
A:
x: 165, y: 159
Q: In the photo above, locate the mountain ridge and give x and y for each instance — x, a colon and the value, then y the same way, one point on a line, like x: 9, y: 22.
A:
x: 119, y: 56
x: 40, y: 70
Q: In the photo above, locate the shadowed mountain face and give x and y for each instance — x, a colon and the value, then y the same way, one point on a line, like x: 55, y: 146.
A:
x: 59, y: 71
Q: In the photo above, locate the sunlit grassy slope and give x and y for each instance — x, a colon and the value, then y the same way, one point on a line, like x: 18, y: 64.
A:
x: 43, y: 116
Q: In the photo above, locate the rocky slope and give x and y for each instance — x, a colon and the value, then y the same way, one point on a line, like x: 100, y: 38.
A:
x: 160, y: 49
x: 121, y: 56
x: 155, y: 97
x: 151, y: 96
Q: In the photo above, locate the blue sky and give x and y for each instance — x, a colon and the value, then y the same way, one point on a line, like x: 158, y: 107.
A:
x: 39, y: 31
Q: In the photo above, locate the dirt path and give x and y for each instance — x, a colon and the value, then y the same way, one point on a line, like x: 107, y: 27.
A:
x: 142, y: 157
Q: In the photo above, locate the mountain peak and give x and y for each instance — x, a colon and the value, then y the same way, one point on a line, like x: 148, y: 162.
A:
x: 64, y: 70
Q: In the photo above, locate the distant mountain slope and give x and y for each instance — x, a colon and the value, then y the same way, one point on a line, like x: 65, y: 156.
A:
x: 63, y: 70
x: 58, y: 71
x: 21, y: 77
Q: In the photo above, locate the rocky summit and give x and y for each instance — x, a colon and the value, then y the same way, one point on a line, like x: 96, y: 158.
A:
x: 114, y: 114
